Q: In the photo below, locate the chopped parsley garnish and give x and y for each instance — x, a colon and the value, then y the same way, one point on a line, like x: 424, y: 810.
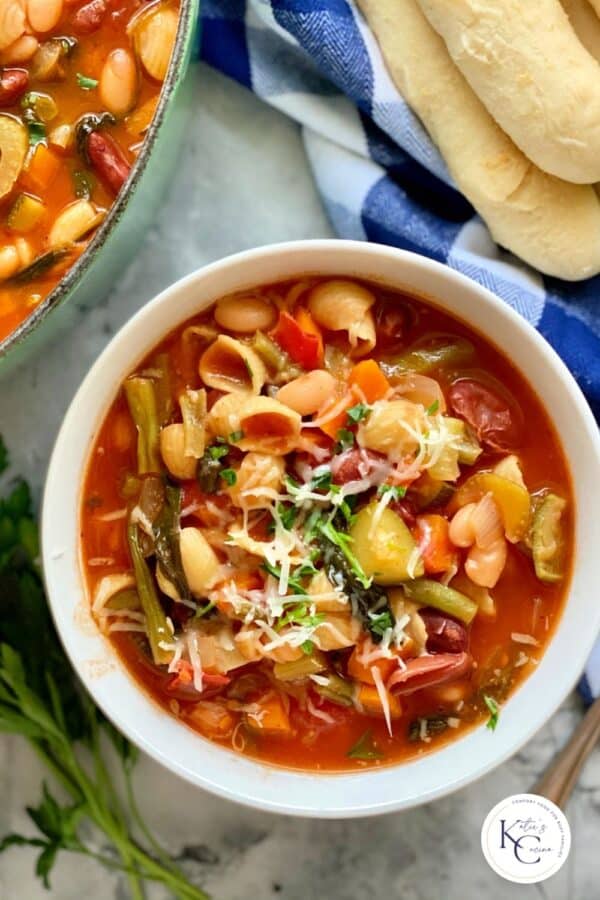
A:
x: 322, y: 481
x: 299, y: 572
x: 311, y: 526
x: 287, y: 515
x: 345, y: 440
x: 380, y: 623
x: 396, y: 490
x: 229, y: 476
x: 37, y: 132
x: 357, y: 413
x: 300, y: 614
x: 365, y: 748
x: 431, y: 410
x: 494, y: 710
x: 215, y: 452
x: 235, y: 437
x: 343, y: 542
x: 307, y: 647
x: 86, y: 83
x: 204, y: 610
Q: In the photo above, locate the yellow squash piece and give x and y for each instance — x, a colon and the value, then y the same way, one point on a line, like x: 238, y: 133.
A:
x: 512, y: 500
x: 13, y: 149
x: 26, y: 213
x: 384, y: 546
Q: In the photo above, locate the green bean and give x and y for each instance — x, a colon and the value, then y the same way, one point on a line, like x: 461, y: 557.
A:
x: 433, y: 593
x: 300, y: 668
x: 431, y: 353
x: 157, y: 627
x: 140, y: 392
x: 337, y: 689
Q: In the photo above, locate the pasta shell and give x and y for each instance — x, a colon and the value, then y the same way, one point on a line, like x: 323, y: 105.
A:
x: 228, y: 365
x: 154, y: 38
x: 340, y: 305
x: 262, y: 472
x: 266, y: 425
x: 392, y: 428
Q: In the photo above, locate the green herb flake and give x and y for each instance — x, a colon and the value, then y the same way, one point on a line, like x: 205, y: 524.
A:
x: 215, y: 452
x: 204, y: 610
x: 307, y: 648
x: 365, y: 748
x: 494, y: 711
x: 235, y: 437
x: 380, y: 623
x: 86, y: 83
x: 431, y: 410
x: 322, y: 481
x: 229, y: 476
x: 357, y: 413
x: 343, y: 542
x: 345, y: 440
x: 37, y: 132
x: 397, y: 491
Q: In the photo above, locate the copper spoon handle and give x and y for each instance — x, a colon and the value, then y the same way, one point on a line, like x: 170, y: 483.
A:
x: 561, y: 776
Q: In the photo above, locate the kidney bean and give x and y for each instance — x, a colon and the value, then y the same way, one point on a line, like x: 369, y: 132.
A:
x: 89, y: 18
x: 497, y: 423
x: 108, y: 160
x: 352, y: 465
x: 13, y: 83
x: 444, y: 634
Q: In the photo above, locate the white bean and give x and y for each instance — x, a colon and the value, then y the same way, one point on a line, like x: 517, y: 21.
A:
x: 118, y: 82
x: 462, y: 531
x: 484, y: 567
x: 245, y: 314
x: 308, y: 393
x: 44, y: 15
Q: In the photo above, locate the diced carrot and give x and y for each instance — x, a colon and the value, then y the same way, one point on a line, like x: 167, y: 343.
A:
x: 369, y: 699
x: 43, y: 167
x: 369, y: 378
x: 269, y: 716
x: 437, y: 551
x: 309, y: 326
x: 304, y: 347
x: 212, y: 718
x: 339, y: 421
x: 361, y: 671
x: 244, y: 580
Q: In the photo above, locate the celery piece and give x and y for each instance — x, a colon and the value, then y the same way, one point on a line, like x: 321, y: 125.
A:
x: 301, y: 668
x: 432, y: 593
x: 157, y: 627
x: 140, y: 392
x: 432, y: 352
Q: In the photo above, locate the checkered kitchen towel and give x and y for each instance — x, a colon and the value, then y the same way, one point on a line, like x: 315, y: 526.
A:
x: 379, y: 175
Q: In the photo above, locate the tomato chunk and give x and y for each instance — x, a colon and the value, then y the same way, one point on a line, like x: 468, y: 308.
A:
x: 305, y: 347
x: 497, y: 422
x: 431, y: 533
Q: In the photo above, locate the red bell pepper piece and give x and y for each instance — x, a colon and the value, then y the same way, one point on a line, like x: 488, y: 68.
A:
x: 304, y: 347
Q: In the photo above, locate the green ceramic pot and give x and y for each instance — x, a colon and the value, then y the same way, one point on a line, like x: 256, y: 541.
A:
x: 115, y: 242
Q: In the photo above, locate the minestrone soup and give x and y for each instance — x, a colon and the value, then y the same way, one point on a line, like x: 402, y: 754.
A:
x: 79, y: 83
x: 327, y: 525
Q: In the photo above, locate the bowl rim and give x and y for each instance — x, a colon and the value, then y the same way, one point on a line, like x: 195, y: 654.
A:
x: 60, y: 293
x: 229, y: 775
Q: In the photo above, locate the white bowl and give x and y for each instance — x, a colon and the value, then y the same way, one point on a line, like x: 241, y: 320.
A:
x: 220, y: 770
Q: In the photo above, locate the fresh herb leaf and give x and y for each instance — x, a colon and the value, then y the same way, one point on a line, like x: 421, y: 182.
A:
x: 3, y: 456
x: 37, y: 132
x: 494, y: 711
x: 229, y: 475
x: 300, y: 615
x: 358, y: 413
x: 312, y: 525
x: 307, y: 647
x: 345, y: 440
x: 287, y: 515
x: 204, y: 610
x: 235, y: 437
x: 216, y: 452
x: 381, y: 622
x: 322, y: 481
x: 397, y: 491
x: 343, y: 542
x: 431, y: 410
x: 365, y: 748
x: 86, y: 83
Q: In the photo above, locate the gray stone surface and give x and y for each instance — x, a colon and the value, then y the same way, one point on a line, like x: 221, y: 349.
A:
x: 244, y: 181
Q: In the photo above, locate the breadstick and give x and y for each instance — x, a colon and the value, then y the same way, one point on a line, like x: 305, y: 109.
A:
x: 553, y: 225
x: 526, y: 64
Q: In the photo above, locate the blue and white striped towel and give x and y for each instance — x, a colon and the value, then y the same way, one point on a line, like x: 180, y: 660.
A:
x: 379, y: 175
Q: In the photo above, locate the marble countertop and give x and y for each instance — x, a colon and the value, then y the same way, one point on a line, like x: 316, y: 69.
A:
x: 244, y: 181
